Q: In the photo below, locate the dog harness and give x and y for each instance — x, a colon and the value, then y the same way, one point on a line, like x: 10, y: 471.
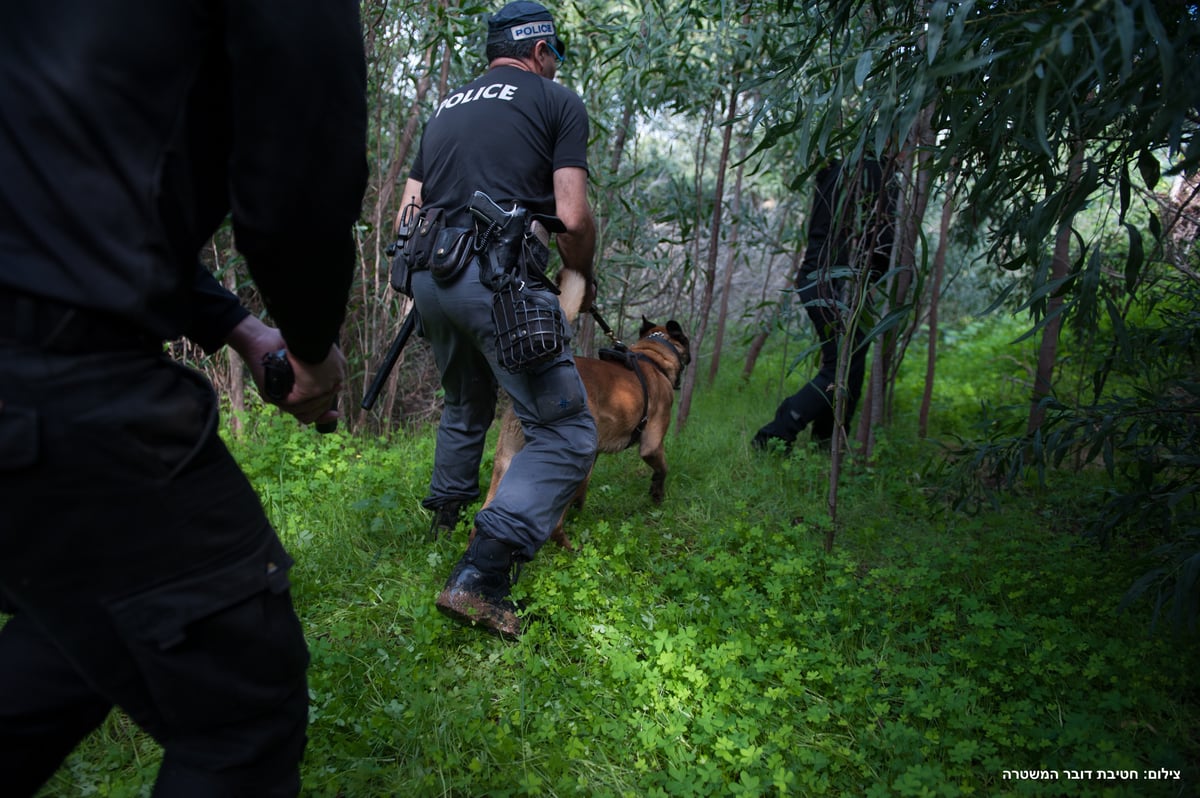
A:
x: 631, y: 360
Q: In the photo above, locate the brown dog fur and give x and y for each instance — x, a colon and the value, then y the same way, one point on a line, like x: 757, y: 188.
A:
x: 616, y: 402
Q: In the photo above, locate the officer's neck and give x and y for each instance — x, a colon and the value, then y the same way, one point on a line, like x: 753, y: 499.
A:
x: 513, y: 62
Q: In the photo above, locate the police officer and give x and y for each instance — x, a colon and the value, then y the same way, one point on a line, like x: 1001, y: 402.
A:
x: 135, y: 559
x: 851, y: 226
x: 521, y: 139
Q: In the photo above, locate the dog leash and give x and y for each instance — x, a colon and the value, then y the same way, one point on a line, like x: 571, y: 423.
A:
x: 604, y: 326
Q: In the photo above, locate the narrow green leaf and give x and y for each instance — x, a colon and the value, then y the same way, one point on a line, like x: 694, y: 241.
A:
x: 1066, y: 42
x: 1043, y: 322
x: 1039, y: 116
x: 1133, y: 263
x: 1150, y: 169
x: 937, y: 29
x: 959, y: 67
x: 1124, y: 190
x: 863, y: 68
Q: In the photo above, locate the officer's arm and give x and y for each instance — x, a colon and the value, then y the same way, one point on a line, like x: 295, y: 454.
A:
x: 577, y: 245
x: 252, y: 338
x: 215, y: 311
x: 412, y: 196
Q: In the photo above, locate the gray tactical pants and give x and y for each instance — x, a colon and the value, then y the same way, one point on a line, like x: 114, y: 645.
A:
x: 560, y: 434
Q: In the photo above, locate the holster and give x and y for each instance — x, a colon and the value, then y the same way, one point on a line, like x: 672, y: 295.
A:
x: 530, y: 330
x: 501, y: 248
x: 508, y: 245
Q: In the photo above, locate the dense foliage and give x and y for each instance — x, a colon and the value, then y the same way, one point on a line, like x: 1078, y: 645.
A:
x: 710, y: 646
x: 967, y: 622
x: 1138, y: 424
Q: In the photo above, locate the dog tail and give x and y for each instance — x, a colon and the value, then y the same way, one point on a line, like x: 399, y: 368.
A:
x: 573, y: 286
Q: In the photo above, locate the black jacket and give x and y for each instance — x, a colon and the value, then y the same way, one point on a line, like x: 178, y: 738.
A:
x: 852, y: 220
x: 130, y: 129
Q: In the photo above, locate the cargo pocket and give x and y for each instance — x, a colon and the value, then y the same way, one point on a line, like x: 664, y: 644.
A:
x: 18, y: 437
x: 220, y: 645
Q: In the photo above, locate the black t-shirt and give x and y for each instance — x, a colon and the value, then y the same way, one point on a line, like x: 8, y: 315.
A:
x: 503, y: 134
x: 128, y: 130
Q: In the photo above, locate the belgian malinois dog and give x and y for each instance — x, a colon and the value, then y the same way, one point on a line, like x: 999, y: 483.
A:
x: 630, y: 393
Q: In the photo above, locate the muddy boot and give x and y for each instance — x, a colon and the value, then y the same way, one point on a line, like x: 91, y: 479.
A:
x: 477, y: 591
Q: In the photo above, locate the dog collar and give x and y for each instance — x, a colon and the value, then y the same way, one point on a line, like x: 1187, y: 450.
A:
x: 666, y: 339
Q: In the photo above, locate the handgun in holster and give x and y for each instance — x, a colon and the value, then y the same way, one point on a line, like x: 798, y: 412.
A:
x: 500, y: 237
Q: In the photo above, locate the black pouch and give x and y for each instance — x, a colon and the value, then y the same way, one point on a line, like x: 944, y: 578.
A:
x: 401, y: 275
x: 452, y: 251
x: 529, y: 327
x: 223, y: 643
x: 412, y: 253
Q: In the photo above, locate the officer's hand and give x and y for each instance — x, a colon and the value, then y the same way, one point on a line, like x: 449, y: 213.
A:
x: 314, y: 394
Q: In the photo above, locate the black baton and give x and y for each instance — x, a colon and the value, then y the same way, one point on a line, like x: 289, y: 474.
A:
x: 389, y: 360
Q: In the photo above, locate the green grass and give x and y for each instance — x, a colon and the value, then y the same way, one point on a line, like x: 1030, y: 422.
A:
x: 709, y: 646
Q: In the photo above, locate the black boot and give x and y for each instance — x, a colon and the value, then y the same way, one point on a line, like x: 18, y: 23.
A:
x: 477, y: 591
x: 445, y: 519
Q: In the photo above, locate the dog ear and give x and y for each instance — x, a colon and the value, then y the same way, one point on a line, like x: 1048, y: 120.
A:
x: 676, y: 333
x: 647, y: 326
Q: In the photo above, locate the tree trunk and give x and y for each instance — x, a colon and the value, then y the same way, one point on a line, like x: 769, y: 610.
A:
x: 914, y: 162
x: 379, y: 324
x: 752, y: 352
x: 730, y: 268
x: 1060, y: 266
x: 760, y: 339
x: 922, y: 143
x: 585, y: 340
x: 710, y: 270
x: 935, y: 294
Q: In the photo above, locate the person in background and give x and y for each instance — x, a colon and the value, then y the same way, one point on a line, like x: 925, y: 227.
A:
x: 520, y: 138
x: 851, y: 227
x: 137, y: 565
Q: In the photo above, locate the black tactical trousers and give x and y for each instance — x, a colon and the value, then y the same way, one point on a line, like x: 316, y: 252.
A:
x: 813, y: 405
x: 140, y: 572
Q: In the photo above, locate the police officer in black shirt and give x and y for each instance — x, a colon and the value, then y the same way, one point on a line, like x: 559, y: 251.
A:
x: 136, y: 563
x: 851, y: 228
x: 521, y: 139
